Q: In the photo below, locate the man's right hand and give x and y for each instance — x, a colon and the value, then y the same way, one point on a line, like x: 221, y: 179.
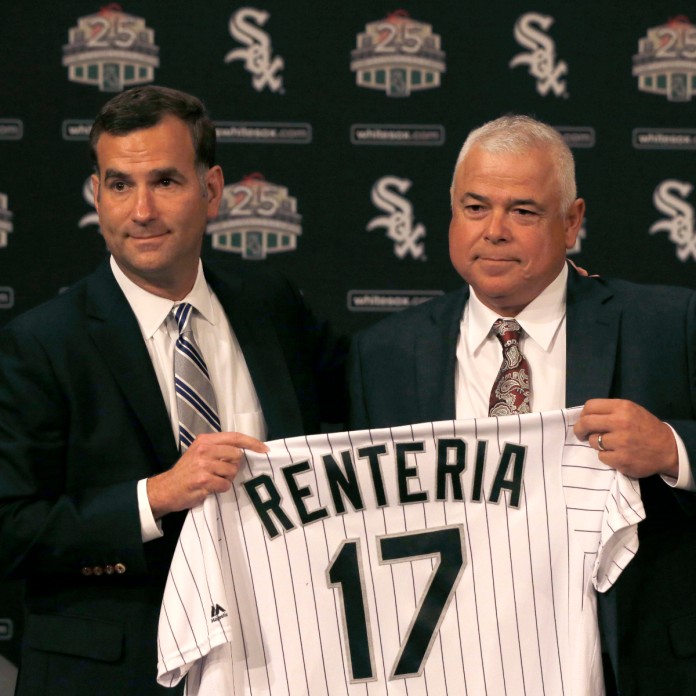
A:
x: 208, y: 466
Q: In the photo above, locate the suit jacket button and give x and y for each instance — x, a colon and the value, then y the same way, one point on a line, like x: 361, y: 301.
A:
x: 109, y: 569
x: 97, y: 570
x: 86, y: 571
x: 120, y: 568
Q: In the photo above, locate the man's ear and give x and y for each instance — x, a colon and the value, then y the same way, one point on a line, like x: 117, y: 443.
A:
x: 95, y: 190
x: 214, y: 184
x: 573, y: 222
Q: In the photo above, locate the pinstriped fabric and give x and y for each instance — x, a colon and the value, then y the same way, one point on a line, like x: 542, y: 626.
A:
x: 195, y: 397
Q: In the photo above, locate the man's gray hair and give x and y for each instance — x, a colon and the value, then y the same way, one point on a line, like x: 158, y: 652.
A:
x: 517, y: 134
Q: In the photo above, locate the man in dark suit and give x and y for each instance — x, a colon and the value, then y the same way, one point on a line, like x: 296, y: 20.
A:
x: 626, y: 352
x: 93, y: 482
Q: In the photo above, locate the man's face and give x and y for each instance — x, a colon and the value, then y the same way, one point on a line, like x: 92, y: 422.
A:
x: 508, y: 235
x: 154, y: 204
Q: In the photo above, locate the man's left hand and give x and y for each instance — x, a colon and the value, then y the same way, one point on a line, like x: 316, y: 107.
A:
x: 629, y: 438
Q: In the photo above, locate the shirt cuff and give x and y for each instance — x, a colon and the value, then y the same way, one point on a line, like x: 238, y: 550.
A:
x: 685, y: 481
x: 149, y: 528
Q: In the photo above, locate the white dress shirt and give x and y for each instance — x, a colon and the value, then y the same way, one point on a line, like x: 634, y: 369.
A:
x: 238, y: 405
x: 543, y: 343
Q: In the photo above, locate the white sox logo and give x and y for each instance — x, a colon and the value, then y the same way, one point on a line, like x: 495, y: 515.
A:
x: 257, y: 57
x: 399, y: 221
x: 541, y: 57
x: 5, y: 221
x: 670, y: 198
x: 89, y: 218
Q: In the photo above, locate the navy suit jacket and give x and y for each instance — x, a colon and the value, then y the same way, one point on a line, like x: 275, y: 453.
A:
x: 82, y: 419
x: 623, y: 341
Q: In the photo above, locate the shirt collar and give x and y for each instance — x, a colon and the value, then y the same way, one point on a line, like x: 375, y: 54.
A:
x: 540, y: 319
x: 151, y: 310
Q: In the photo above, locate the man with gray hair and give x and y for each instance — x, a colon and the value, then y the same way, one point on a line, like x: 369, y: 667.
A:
x: 625, y: 352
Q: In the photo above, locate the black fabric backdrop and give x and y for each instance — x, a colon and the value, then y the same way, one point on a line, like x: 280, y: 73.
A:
x: 317, y: 104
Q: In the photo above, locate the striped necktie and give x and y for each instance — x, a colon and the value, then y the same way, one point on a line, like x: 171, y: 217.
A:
x: 195, y: 397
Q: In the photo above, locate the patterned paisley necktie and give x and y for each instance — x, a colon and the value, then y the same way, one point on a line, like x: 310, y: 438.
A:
x: 511, y: 392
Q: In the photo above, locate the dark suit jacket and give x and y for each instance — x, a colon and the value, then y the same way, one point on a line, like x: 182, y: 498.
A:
x: 82, y: 419
x: 623, y: 341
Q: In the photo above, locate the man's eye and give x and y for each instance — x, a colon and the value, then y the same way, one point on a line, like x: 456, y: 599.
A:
x: 166, y: 183
x: 524, y: 211
x: 474, y: 208
x: 117, y: 186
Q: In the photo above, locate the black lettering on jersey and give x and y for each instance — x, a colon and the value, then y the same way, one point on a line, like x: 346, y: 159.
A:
x: 453, y: 469
x: 373, y: 453
x: 476, y: 486
x: 512, y: 455
x: 269, y: 504
x: 405, y: 472
x: 297, y: 493
x: 339, y: 481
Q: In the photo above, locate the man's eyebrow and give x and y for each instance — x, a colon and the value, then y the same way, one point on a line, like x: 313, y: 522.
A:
x: 510, y: 203
x: 115, y: 174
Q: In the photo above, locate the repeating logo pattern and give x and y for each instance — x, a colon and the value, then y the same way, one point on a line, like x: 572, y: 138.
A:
x: 666, y: 60
x: 5, y: 221
x: 89, y: 218
x: 256, y: 218
x: 398, y: 55
x: 670, y: 199
x: 258, y: 57
x: 112, y: 50
x: 530, y: 33
x: 387, y: 195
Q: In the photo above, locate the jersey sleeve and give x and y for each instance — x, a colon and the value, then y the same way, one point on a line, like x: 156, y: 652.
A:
x: 193, y: 619
x: 619, y: 536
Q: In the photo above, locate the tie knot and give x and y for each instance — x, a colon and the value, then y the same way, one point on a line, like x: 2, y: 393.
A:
x: 182, y: 315
x: 507, y: 330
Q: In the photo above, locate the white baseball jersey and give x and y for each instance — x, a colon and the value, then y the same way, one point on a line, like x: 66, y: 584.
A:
x: 457, y: 557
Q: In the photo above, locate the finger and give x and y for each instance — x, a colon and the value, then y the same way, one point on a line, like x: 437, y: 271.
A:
x: 239, y: 440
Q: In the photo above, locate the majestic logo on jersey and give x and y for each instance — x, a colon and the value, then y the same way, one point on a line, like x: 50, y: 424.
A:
x: 670, y: 199
x: 530, y: 33
x: 111, y: 49
x: 256, y: 218
x: 5, y: 221
x: 387, y: 196
x: 89, y: 218
x: 666, y: 60
x: 398, y: 55
x: 217, y: 613
x: 258, y: 55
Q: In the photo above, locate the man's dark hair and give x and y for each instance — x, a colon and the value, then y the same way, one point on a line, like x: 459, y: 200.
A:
x: 144, y: 107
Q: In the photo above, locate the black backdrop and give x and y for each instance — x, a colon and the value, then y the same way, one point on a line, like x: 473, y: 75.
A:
x: 339, y: 125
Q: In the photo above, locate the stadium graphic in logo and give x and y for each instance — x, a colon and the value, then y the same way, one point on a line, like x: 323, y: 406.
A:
x: 666, y: 60
x: 258, y: 54
x: 670, y: 199
x: 112, y: 50
x: 5, y: 221
x: 398, y: 221
x: 256, y: 218
x: 398, y: 55
x: 530, y: 33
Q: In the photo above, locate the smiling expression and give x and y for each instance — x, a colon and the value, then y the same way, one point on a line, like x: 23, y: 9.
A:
x: 154, y: 204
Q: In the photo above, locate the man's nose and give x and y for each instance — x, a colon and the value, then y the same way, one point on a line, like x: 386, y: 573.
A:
x: 498, y: 228
x: 144, y: 209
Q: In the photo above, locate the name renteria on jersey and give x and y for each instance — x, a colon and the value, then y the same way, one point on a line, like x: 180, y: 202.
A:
x: 363, y: 469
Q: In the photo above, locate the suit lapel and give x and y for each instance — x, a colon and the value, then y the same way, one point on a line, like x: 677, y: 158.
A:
x: 592, y: 332
x: 264, y: 358
x: 117, y: 336
x: 435, y: 352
